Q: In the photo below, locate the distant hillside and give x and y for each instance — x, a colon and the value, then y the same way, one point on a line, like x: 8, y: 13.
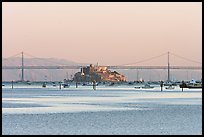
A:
x: 35, y: 75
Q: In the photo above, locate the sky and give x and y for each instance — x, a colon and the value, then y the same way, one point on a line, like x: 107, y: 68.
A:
x: 111, y: 33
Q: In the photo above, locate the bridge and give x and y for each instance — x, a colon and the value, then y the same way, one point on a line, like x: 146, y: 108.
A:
x: 123, y: 66
x: 108, y: 67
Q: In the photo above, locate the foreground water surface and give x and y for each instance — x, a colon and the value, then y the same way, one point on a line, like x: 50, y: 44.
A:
x: 107, y: 110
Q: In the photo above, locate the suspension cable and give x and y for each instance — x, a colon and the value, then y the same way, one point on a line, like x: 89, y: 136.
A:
x: 186, y: 58
x: 144, y: 60
x: 12, y: 56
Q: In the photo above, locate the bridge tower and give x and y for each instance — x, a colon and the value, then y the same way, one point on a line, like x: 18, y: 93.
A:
x: 22, y: 69
x: 168, y: 68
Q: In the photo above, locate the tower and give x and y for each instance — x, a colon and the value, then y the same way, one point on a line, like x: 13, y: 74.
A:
x: 168, y: 68
x: 22, y: 69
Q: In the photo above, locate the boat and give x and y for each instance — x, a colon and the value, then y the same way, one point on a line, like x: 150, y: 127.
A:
x: 170, y: 83
x: 53, y: 84
x: 44, y: 85
x: 65, y: 85
x: 191, y: 84
x: 170, y: 87
x: 147, y: 86
x: 137, y: 87
x: 130, y: 83
x: 195, y: 85
x: 111, y: 84
x: 89, y: 84
x: 28, y: 82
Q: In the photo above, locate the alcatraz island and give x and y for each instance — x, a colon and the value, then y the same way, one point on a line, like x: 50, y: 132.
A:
x: 99, y: 74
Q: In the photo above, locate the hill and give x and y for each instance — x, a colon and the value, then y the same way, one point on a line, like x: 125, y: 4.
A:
x: 36, y: 75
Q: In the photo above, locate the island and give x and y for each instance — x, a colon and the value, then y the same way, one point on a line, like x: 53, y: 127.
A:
x: 98, y: 74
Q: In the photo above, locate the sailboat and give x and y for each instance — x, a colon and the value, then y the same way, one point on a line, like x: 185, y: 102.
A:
x: 44, y: 85
x: 192, y: 84
x: 146, y: 86
x: 170, y: 87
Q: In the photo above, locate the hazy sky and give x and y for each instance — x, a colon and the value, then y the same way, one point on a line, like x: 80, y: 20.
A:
x: 107, y: 33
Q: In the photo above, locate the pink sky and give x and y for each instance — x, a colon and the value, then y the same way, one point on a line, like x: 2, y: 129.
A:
x: 107, y: 33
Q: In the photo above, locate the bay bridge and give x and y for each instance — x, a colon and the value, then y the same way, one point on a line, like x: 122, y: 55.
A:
x: 168, y: 67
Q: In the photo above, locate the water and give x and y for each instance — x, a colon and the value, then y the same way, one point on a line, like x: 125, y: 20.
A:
x: 31, y: 109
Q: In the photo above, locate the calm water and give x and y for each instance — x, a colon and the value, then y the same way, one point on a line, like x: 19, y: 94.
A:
x: 31, y: 109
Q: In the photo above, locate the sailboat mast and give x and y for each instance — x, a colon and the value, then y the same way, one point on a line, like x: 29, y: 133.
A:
x: 168, y: 68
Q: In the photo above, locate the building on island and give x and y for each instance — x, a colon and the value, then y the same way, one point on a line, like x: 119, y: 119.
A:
x: 99, y: 74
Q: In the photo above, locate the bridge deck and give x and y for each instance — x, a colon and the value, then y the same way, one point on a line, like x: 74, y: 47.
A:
x: 109, y: 67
